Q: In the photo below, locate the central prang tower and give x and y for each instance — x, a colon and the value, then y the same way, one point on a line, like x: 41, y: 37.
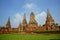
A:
x: 33, y: 23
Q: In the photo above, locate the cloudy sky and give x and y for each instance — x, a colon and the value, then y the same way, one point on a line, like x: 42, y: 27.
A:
x: 16, y: 9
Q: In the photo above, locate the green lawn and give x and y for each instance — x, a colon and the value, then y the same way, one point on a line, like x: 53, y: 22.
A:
x: 29, y: 36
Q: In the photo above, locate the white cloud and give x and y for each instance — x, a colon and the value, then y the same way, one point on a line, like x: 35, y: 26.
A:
x: 41, y: 17
x: 16, y: 20
x: 29, y: 6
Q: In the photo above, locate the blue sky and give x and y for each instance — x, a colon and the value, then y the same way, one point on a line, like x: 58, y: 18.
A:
x: 16, y: 9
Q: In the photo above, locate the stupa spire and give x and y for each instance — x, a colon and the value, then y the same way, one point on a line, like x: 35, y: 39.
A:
x: 50, y: 24
x: 8, y: 25
x: 49, y: 17
x: 20, y: 25
x: 24, y: 22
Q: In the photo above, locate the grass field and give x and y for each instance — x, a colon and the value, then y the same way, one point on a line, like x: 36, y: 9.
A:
x: 29, y: 36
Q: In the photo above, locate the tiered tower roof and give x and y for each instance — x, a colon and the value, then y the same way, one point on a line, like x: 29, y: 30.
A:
x: 8, y: 25
x: 49, y: 19
x: 24, y: 19
x: 32, y: 19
